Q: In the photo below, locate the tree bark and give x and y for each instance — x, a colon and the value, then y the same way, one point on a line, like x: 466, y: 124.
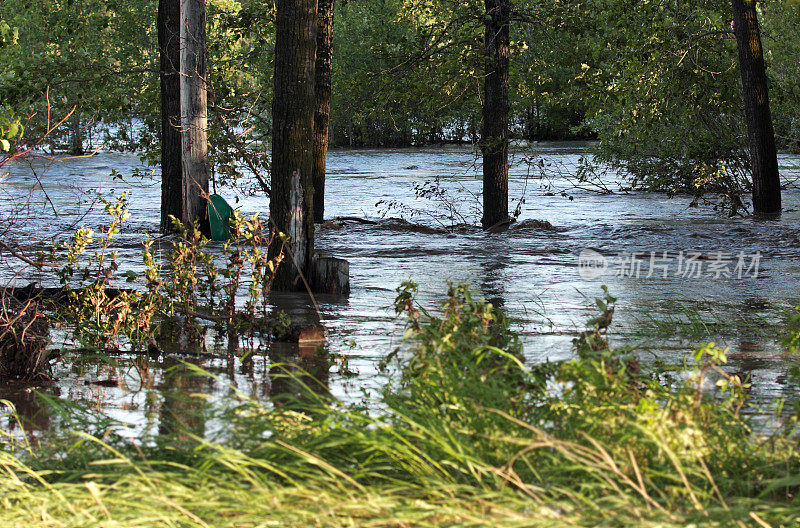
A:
x: 763, y: 153
x: 494, y: 140
x: 169, y: 48
x: 322, y: 91
x: 294, y: 102
x: 76, y: 136
x: 194, y: 114
x: 330, y: 275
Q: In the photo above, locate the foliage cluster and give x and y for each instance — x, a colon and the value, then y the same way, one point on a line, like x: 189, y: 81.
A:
x: 657, y: 82
x: 192, y: 281
x: 667, y: 102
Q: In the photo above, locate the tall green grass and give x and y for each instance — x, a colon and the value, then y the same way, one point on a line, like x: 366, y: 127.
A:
x: 468, y: 435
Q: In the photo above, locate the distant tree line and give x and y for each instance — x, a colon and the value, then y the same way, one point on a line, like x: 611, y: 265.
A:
x: 658, y: 83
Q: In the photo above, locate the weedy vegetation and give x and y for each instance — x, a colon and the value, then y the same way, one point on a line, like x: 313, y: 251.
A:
x: 186, y: 279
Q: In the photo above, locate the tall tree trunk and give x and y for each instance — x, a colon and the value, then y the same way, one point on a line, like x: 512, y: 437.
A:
x: 292, y: 198
x: 322, y: 90
x: 494, y: 141
x: 76, y: 136
x: 194, y: 113
x: 169, y: 47
x: 763, y: 154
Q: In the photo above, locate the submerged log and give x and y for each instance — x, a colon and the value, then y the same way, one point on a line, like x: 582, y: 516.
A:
x: 330, y: 275
x: 501, y: 226
x: 24, y: 335
x: 302, y: 333
x: 58, y: 295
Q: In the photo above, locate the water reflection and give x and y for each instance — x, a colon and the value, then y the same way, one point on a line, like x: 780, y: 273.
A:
x: 299, y: 371
x: 183, y: 407
x: 299, y: 375
x: 32, y: 414
x: 491, y: 280
x: 749, y: 360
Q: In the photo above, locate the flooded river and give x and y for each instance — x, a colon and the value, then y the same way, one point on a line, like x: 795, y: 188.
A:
x: 683, y: 275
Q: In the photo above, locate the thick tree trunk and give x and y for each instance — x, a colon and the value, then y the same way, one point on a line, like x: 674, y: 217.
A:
x: 494, y: 140
x: 194, y: 114
x: 322, y: 91
x: 169, y: 47
x: 763, y: 154
x: 292, y: 197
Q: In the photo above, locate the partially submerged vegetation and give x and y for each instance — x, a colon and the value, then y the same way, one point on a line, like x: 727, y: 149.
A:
x: 468, y: 435
x: 183, y: 287
x: 24, y: 336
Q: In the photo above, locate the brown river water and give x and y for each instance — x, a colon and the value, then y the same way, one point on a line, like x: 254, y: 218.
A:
x: 683, y: 275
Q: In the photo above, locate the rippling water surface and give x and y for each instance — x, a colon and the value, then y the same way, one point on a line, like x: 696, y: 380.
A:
x: 530, y: 270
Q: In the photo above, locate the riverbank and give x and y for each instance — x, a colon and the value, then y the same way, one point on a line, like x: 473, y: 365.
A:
x: 466, y: 436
